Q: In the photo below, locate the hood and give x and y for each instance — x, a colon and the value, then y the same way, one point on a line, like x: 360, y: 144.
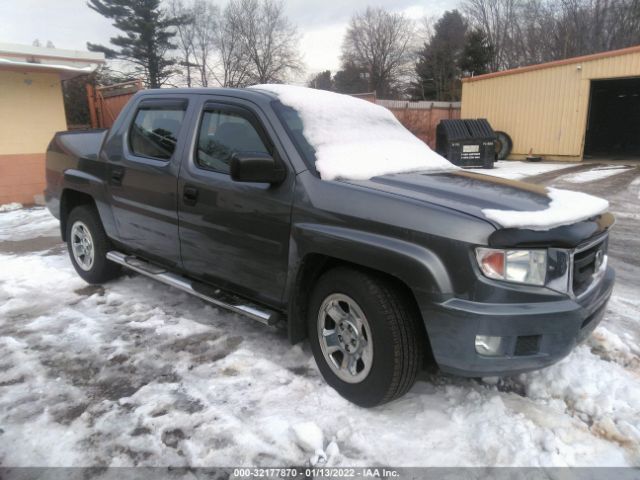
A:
x: 471, y: 193
x: 464, y: 191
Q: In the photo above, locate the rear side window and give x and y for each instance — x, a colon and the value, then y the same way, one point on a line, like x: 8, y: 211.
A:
x: 155, y: 128
x: 223, y: 133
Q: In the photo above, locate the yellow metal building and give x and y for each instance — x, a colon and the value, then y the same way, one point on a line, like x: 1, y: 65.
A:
x: 565, y: 110
x: 31, y: 111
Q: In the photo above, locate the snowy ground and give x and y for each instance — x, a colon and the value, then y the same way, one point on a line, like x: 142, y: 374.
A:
x: 135, y: 373
x: 517, y: 170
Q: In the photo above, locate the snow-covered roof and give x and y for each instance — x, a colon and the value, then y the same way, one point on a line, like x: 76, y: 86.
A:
x: 353, y: 138
x: 68, y: 63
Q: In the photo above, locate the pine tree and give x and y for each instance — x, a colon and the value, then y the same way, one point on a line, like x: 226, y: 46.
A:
x: 146, y: 42
x: 477, y: 54
x: 321, y: 81
x: 351, y: 79
x: 438, y: 74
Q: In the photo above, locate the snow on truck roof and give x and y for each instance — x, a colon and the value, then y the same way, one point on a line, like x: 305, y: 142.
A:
x: 353, y: 138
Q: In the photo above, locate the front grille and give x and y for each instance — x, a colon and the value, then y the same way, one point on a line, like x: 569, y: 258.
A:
x: 585, y: 264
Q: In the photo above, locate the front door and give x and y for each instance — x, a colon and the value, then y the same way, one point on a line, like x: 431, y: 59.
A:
x: 234, y: 235
x: 143, y: 165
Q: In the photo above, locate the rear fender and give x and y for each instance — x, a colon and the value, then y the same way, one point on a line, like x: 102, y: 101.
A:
x: 94, y: 187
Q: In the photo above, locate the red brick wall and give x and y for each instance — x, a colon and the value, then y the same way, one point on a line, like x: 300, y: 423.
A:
x: 22, y: 178
x: 423, y: 122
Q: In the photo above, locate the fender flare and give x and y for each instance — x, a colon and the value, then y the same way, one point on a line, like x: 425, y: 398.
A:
x: 93, y: 186
x: 419, y: 268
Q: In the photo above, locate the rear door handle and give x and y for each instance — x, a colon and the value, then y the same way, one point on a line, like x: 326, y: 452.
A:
x: 190, y: 195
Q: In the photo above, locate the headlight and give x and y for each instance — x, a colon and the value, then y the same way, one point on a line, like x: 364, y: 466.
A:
x: 520, y: 266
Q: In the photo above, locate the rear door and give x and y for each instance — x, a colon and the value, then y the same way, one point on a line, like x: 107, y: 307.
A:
x: 143, y: 165
x: 235, y: 235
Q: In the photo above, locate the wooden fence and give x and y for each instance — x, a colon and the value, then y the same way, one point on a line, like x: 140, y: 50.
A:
x: 105, y: 103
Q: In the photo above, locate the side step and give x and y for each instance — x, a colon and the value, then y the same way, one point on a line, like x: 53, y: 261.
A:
x: 212, y: 295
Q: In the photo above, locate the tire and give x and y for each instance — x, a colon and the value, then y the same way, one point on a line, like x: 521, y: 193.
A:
x: 504, y: 145
x: 84, y: 222
x: 390, y: 328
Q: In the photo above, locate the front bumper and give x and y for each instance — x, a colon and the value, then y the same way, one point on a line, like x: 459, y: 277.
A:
x: 554, y: 327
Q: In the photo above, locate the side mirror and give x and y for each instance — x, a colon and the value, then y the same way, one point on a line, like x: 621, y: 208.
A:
x: 256, y: 167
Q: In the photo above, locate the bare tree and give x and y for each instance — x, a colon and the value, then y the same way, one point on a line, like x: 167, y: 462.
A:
x: 233, y: 69
x: 185, y: 34
x: 205, y: 36
x: 590, y: 26
x: 380, y: 42
x: 497, y: 19
x: 196, y: 38
x: 524, y: 32
x: 268, y: 39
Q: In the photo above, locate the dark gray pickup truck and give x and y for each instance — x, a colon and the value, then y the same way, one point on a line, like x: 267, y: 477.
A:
x: 216, y: 192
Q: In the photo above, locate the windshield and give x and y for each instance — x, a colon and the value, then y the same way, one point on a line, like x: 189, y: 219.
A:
x: 350, y: 138
x: 293, y: 124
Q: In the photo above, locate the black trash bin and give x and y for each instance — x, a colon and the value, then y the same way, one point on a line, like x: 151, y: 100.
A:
x: 467, y: 143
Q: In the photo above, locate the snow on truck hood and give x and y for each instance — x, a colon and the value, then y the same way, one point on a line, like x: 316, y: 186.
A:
x: 355, y: 139
x: 565, y: 208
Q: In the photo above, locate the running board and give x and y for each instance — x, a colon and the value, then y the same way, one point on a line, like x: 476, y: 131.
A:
x: 212, y: 295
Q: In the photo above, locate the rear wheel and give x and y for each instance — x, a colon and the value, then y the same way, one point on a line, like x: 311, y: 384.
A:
x: 365, y: 337
x: 88, y: 245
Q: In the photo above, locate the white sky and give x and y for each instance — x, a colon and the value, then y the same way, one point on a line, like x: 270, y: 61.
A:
x: 322, y: 23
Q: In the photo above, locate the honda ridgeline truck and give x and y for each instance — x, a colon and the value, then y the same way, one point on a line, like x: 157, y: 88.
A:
x: 217, y: 192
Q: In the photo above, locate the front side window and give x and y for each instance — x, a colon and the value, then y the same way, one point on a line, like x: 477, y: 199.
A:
x: 223, y: 133
x: 155, y: 129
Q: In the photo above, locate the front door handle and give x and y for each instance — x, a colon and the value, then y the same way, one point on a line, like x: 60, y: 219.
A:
x: 117, y: 174
x: 190, y: 195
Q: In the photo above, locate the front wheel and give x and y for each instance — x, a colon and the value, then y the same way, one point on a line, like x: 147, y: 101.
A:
x: 88, y: 245
x: 365, y: 336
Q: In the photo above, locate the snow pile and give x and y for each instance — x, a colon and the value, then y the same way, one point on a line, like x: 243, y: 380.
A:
x: 311, y: 439
x: 21, y: 224
x: 356, y: 139
x: 602, y: 394
x: 9, y: 207
x: 566, y: 207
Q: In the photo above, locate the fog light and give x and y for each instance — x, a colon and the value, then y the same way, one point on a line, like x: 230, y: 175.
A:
x: 488, y: 345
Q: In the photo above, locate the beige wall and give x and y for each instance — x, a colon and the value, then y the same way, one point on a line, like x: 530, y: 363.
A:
x: 544, y: 110
x: 31, y: 111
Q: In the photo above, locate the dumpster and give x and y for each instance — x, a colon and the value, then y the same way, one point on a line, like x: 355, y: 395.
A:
x: 467, y: 143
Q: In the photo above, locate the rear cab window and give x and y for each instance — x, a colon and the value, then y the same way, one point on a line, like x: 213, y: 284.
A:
x: 155, y: 128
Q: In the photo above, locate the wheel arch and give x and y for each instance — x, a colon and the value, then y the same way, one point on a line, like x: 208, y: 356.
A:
x: 69, y: 200
x: 415, y: 270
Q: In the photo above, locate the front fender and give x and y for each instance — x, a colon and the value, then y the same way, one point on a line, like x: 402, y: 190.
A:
x: 419, y: 268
